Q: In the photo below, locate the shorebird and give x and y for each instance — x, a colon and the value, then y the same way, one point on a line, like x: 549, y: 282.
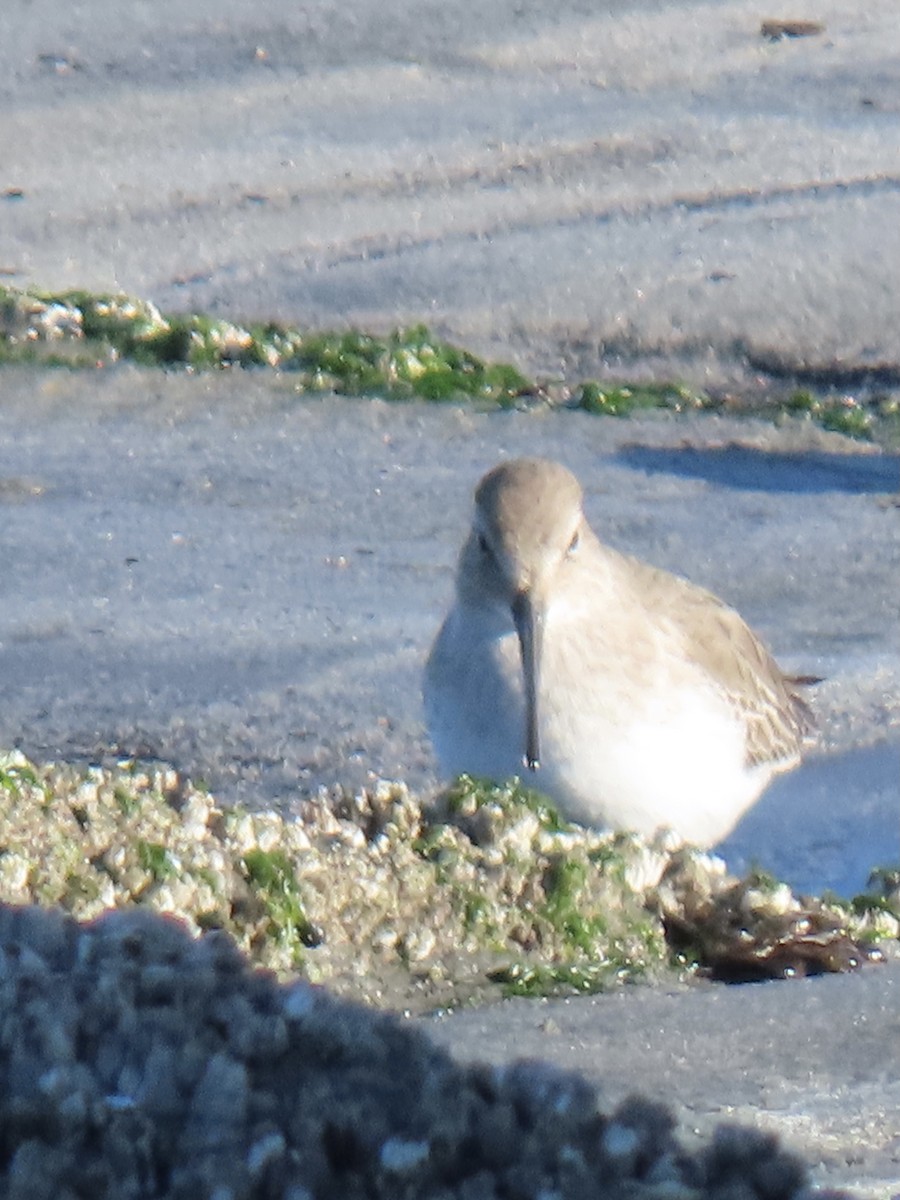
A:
x: 634, y: 699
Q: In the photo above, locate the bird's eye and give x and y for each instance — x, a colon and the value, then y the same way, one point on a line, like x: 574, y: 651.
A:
x: 483, y: 544
x: 573, y: 545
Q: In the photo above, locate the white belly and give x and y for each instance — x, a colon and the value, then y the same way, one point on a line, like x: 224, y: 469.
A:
x: 661, y: 753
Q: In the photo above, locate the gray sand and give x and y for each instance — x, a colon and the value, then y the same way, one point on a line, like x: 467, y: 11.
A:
x: 208, y: 570
x: 218, y: 575
x: 713, y: 1063
x: 644, y: 181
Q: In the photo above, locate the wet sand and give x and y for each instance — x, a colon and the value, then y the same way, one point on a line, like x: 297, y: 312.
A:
x: 650, y: 189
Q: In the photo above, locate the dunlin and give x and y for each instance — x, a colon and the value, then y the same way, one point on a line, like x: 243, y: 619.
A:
x: 634, y: 699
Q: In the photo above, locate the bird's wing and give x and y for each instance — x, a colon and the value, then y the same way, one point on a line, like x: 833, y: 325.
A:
x: 720, y: 642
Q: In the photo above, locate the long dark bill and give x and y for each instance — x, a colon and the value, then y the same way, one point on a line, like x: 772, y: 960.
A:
x: 529, y: 622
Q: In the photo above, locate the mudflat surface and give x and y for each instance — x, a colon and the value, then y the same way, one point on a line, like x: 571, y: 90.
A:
x: 214, y: 571
x: 211, y: 570
x: 644, y: 183
x: 815, y: 1061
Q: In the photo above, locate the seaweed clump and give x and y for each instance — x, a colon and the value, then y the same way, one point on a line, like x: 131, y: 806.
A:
x: 489, y: 892
x: 78, y: 328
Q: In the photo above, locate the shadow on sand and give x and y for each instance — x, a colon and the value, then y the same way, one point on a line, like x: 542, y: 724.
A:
x: 748, y: 469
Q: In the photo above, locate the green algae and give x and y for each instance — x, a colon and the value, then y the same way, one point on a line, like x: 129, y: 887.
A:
x: 877, y: 909
x: 155, y: 860
x: 128, y: 803
x: 486, y: 892
x: 840, y: 414
x: 407, y: 364
x: 468, y: 794
x: 563, y: 910
x: 78, y: 329
x: 16, y: 774
x: 566, y: 905
x: 536, y: 982
x: 622, y: 400
x: 272, y: 877
x: 363, y: 887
